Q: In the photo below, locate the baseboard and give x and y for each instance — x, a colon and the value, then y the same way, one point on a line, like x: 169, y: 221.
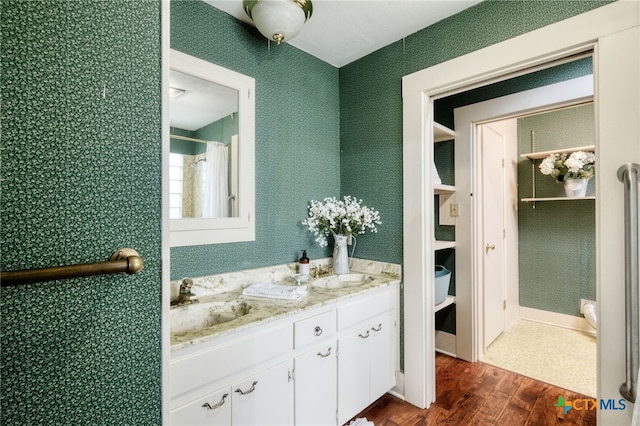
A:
x: 446, y: 343
x: 398, y: 389
x: 556, y: 319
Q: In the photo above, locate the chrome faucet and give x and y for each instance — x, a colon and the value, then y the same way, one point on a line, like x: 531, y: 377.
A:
x: 185, y: 297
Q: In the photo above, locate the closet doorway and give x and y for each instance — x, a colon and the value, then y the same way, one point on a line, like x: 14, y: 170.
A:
x: 469, y: 166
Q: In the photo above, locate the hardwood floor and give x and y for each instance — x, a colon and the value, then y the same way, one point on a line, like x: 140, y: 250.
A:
x: 481, y: 394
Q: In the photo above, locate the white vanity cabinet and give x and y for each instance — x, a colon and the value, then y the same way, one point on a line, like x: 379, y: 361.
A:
x: 308, y: 368
x: 315, y: 368
x: 316, y: 385
x: 367, y: 353
x: 265, y: 398
x: 253, y: 368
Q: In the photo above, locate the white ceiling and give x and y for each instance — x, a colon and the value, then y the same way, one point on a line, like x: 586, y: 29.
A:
x: 201, y: 103
x: 339, y: 32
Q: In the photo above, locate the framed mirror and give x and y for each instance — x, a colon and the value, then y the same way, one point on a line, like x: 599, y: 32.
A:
x: 211, y: 153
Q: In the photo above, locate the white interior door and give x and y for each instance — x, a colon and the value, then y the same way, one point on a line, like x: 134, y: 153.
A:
x: 493, y: 232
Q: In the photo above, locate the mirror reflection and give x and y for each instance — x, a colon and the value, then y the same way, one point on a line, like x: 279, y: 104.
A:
x: 203, y: 162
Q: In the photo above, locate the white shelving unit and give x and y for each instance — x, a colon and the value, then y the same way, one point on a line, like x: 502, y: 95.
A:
x: 533, y: 156
x: 450, y: 300
x: 447, y: 198
x: 441, y: 245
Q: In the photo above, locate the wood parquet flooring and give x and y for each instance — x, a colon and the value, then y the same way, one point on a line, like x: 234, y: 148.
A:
x: 481, y: 394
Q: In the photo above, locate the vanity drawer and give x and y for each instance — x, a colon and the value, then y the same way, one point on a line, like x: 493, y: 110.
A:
x: 210, y: 365
x: 314, y: 329
x: 213, y: 409
x: 365, y: 308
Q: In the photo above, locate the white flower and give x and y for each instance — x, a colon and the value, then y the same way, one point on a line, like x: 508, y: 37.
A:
x: 577, y: 165
x: 547, y: 165
x: 343, y: 217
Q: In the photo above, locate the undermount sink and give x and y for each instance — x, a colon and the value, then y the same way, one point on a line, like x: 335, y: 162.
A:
x: 341, y: 281
x: 206, y: 314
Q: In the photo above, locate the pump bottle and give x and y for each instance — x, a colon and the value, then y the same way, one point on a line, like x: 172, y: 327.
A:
x: 303, y: 266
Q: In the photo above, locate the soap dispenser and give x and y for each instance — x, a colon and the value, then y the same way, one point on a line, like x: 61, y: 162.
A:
x: 303, y: 266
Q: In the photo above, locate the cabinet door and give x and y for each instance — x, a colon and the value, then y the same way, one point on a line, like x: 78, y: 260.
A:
x: 353, y: 373
x: 316, y: 386
x: 213, y: 409
x: 382, y: 355
x: 265, y: 398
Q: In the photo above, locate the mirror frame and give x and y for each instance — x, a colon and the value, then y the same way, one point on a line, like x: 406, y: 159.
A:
x: 202, y: 231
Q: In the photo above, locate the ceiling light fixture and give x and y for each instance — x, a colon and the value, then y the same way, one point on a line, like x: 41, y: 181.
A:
x: 278, y: 20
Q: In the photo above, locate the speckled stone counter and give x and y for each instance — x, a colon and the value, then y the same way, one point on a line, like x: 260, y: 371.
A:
x: 218, y: 289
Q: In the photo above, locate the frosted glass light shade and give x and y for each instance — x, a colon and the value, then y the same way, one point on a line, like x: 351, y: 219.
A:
x: 278, y: 20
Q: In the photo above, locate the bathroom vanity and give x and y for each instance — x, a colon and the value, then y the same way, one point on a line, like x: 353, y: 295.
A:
x: 317, y: 360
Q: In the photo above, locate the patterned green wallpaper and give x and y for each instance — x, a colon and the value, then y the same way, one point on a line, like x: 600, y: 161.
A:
x: 80, y: 178
x: 371, y: 103
x: 297, y: 138
x: 557, y: 241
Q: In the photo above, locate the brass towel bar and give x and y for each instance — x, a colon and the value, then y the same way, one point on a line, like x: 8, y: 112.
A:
x: 125, y: 260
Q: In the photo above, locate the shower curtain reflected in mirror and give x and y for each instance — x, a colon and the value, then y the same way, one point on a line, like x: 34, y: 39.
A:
x: 216, y: 181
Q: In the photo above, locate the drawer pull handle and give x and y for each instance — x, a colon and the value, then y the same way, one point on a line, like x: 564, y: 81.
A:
x: 325, y: 355
x: 248, y: 391
x: 218, y: 405
x: 365, y: 336
x: 377, y: 329
x: 317, y: 331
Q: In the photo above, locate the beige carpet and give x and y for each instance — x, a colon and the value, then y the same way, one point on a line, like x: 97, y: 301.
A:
x: 555, y: 355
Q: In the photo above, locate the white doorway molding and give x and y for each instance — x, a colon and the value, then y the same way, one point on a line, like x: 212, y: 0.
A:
x: 469, y: 244
x: 612, y: 32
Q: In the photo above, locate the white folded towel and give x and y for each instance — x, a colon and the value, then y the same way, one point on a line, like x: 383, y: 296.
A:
x: 361, y: 422
x: 275, y: 291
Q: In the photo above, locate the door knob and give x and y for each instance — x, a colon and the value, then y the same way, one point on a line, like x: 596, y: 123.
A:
x: 489, y: 247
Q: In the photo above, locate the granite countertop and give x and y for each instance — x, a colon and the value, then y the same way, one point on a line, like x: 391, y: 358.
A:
x: 264, y: 310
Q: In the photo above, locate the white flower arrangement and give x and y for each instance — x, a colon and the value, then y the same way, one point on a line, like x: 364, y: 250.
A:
x: 341, y: 217
x: 563, y: 166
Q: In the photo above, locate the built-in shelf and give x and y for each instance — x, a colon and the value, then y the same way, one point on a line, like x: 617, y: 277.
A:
x: 450, y: 300
x: 441, y: 245
x: 533, y: 156
x: 535, y: 200
x: 442, y: 133
x: 443, y: 189
x: 544, y: 154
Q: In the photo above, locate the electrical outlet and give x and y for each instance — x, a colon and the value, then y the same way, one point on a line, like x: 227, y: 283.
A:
x: 453, y: 210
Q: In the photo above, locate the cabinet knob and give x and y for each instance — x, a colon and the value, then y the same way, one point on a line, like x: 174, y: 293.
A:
x: 317, y: 331
x: 489, y: 247
x: 248, y: 391
x: 218, y: 405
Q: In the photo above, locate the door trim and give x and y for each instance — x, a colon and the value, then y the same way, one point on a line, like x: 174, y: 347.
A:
x: 559, y: 40
x: 469, y: 243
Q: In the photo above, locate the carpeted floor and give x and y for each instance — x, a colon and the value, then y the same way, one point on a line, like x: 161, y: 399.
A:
x: 555, y: 355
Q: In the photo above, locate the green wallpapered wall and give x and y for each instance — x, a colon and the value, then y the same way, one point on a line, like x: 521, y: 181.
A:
x: 297, y: 138
x: 80, y: 179
x: 556, y: 240
x: 371, y: 102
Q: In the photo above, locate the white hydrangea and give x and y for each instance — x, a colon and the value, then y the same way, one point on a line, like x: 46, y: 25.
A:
x: 577, y: 165
x: 342, y: 217
x: 548, y: 164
